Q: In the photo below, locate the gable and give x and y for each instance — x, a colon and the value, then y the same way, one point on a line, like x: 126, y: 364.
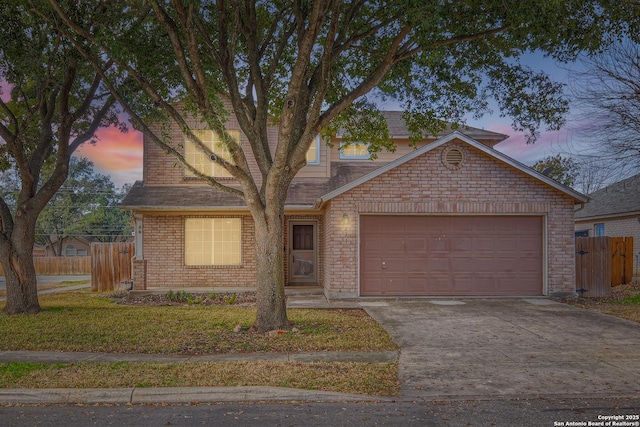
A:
x: 424, y: 173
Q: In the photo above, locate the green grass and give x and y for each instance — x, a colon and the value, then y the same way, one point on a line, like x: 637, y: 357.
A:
x: 91, y: 322
x: 630, y: 300
x: 366, y: 378
x: 75, y: 282
x: 85, y: 321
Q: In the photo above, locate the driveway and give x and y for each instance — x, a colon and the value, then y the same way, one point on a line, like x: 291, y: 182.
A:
x: 510, y: 348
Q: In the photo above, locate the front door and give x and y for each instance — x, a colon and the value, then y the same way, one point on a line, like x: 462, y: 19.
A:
x: 303, y: 252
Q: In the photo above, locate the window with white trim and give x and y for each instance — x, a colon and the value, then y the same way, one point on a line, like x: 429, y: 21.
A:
x: 313, y: 153
x: 355, y: 151
x: 201, y: 161
x: 212, y: 241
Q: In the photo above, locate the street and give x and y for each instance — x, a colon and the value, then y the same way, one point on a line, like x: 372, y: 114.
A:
x: 554, y: 411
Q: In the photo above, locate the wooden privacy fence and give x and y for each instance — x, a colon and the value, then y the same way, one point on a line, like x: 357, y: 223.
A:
x: 111, y: 265
x: 56, y: 265
x: 602, y: 262
x: 621, y: 260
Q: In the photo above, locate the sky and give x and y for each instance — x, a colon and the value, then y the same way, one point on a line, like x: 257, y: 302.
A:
x: 120, y: 154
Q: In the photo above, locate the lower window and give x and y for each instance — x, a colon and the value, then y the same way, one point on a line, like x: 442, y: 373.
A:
x: 212, y: 241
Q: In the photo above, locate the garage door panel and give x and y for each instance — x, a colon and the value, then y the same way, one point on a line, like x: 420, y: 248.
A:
x: 451, y: 255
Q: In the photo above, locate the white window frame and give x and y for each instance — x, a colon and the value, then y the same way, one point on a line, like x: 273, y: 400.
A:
x: 344, y: 156
x: 201, y: 161
x: 216, y: 245
x: 314, y: 148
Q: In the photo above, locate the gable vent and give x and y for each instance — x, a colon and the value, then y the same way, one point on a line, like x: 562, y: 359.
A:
x: 453, y: 158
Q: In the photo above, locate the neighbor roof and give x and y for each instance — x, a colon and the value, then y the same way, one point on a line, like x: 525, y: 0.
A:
x: 398, y: 130
x: 621, y: 198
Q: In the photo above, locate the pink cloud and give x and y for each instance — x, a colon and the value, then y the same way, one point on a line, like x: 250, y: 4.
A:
x: 117, y: 154
x: 549, y: 143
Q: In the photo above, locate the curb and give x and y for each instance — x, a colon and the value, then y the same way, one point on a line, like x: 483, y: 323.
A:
x: 173, y: 395
x: 390, y: 356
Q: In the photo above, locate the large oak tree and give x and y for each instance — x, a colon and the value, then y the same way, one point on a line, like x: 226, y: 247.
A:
x: 55, y: 103
x: 319, y: 66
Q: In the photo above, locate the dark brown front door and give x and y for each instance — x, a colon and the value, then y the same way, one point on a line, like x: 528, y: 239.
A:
x: 451, y: 255
x: 302, y: 253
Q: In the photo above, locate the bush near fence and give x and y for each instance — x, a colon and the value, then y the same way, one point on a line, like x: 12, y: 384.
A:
x: 55, y: 266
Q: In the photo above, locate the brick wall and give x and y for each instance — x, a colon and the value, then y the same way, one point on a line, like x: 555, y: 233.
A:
x: 163, y: 246
x: 160, y: 168
x: 163, y: 265
x: 483, y: 185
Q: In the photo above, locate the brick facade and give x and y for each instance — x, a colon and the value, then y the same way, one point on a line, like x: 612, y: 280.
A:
x: 163, y: 264
x: 160, y: 168
x: 424, y: 185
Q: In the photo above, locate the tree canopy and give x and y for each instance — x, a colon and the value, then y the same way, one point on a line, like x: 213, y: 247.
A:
x: 56, y: 102
x: 562, y: 169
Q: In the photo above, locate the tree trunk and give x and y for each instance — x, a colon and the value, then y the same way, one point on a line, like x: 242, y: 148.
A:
x: 271, y: 303
x: 20, y: 273
x: 16, y: 255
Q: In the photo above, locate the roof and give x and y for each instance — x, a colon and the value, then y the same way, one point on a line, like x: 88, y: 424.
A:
x: 437, y: 143
x: 621, y: 198
x: 307, y: 193
x: 398, y: 130
x: 303, y: 192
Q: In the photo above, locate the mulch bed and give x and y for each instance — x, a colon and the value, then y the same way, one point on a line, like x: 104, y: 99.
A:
x: 238, y: 299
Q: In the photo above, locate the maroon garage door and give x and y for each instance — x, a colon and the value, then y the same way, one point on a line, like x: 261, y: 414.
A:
x: 450, y: 255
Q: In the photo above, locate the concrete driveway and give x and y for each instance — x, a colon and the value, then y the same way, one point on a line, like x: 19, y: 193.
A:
x: 510, y: 348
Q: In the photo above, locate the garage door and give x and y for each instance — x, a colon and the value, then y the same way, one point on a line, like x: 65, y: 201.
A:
x: 450, y: 255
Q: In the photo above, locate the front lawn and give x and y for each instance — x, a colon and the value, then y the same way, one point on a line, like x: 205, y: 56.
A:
x: 91, y: 322
x: 86, y: 321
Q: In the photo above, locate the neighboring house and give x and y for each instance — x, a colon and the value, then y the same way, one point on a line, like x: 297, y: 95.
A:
x: 67, y: 246
x: 613, y: 211
x: 453, y: 217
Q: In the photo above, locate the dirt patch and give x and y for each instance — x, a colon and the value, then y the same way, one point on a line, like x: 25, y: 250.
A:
x: 238, y: 299
x: 624, y: 302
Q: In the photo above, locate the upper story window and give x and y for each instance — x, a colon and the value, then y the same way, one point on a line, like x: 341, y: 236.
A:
x: 201, y: 161
x: 313, y: 153
x: 355, y: 151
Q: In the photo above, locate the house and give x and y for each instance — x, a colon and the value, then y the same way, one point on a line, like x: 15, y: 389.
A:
x: 67, y: 246
x: 452, y: 217
x: 613, y: 211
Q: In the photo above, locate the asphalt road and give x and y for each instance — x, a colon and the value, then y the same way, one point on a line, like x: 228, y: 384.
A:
x: 49, y: 279
x: 535, y: 412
